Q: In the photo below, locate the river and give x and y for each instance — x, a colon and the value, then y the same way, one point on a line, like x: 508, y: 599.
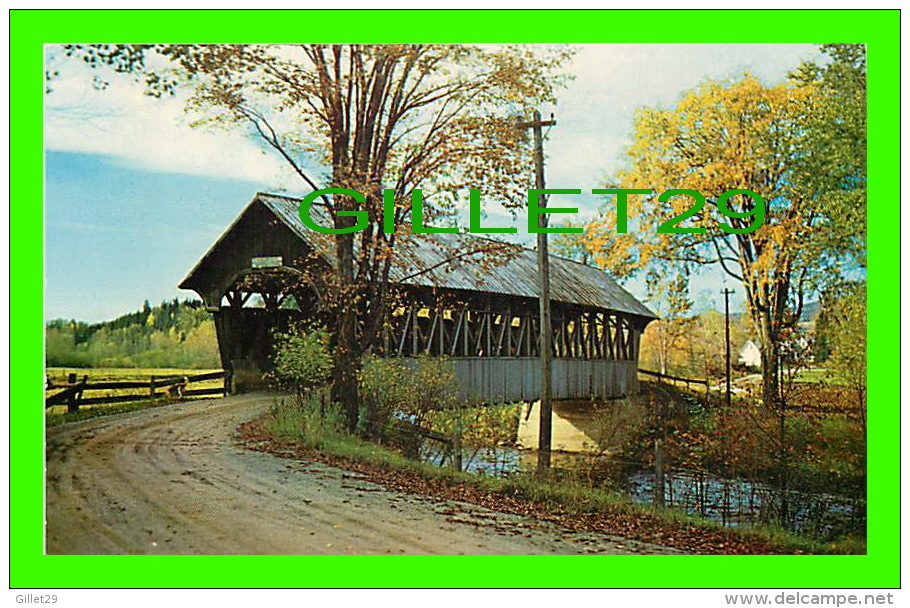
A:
x: 730, y: 501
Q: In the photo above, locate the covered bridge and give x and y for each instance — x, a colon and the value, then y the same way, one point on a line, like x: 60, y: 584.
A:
x: 484, y: 318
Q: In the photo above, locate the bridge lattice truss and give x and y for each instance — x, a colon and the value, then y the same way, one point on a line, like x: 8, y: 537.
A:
x: 467, y: 332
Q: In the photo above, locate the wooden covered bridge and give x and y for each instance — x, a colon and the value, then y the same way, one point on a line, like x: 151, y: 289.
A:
x: 483, y: 318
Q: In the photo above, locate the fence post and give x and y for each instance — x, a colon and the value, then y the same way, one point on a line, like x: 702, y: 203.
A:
x: 659, y: 482
x: 72, y: 402
x: 152, y: 388
x: 456, y: 443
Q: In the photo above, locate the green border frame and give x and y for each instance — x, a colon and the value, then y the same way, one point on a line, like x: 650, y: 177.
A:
x: 30, y: 568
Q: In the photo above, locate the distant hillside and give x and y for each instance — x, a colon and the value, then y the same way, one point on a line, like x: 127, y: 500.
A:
x: 172, y: 334
x: 808, y: 316
x: 810, y: 312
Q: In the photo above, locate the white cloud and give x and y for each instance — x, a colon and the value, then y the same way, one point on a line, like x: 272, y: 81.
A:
x: 147, y: 133
x: 594, y: 115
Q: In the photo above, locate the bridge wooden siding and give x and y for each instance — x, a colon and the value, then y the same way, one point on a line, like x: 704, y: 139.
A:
x: 518, y: 379
x: 484, y: 318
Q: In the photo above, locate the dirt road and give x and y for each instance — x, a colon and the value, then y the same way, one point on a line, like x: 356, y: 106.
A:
x: 172, y: 480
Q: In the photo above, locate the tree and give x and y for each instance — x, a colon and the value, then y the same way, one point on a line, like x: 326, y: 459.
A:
x: 742, y: 135
x: 374, y: 117
x: 669, y: 298
x: 172, y: 334
x: 842, y: 321
x: 302, y: 359
x: 833, y: 160
x: 571, y: 245
x: 706, y: 342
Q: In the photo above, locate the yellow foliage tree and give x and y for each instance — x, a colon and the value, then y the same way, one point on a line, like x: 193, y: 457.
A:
x: 738, y: 135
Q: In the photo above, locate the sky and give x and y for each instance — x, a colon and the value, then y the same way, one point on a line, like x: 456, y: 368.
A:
x: 135, y: 195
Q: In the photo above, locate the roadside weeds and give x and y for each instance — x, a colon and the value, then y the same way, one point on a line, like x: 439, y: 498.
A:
x: 568, y: 505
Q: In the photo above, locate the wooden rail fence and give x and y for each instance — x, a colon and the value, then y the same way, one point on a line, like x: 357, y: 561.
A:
x: 73, y: 393
x: 675, y: 379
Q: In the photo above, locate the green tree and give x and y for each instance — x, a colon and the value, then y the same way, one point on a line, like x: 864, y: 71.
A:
x: 60, y: 346
x: 842, y: 321
x: 374, y: 117
x: 302, y: 359
x: 172, y: 334
x: 833, y: 160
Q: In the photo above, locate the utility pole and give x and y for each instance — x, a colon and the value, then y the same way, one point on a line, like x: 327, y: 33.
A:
x: 782, y: 439
x: 544, y: 443
x: 727, y: 293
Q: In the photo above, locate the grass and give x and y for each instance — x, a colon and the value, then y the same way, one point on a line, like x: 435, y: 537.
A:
x: 819, y: 374
x: 58, y: 375
x: 54, y: 418
x: 122, y: 373
x: 311, y: 427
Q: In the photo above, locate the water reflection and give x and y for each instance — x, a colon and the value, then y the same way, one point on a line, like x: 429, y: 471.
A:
x: 583, y: 454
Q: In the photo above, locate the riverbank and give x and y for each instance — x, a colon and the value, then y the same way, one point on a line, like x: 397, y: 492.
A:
x: 571, y: 505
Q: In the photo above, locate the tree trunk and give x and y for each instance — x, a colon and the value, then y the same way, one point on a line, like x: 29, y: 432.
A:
x: 767, y: 310
x: 769, y: 369
x: 346, y: 357
x: 344, y: 381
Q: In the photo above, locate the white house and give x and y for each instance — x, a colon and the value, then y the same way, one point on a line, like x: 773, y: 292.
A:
x: 750, y: 355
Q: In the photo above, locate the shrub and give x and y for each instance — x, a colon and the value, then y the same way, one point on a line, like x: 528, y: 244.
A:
x: 409, y: 387
x: 302, y: 359
x: 307, y: 419
x: 482, y: 428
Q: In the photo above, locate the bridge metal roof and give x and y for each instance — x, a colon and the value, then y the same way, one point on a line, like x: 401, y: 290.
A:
x: 423, y: 262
